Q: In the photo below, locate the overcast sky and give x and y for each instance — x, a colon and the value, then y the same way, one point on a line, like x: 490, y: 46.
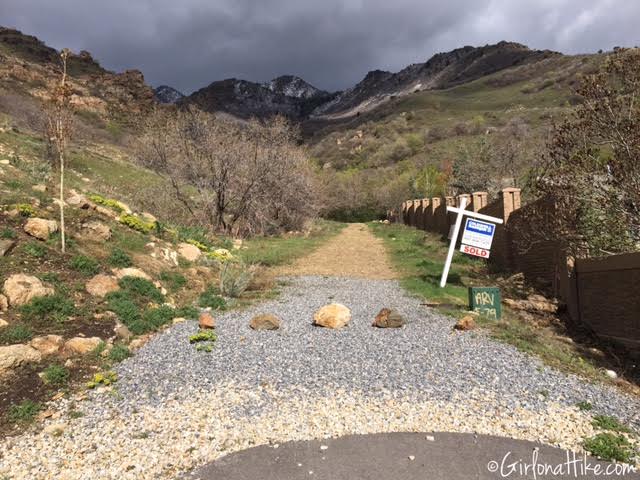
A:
x: 330, y: 43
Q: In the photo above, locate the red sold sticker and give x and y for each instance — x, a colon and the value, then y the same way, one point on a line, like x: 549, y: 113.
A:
x: 477, y: 251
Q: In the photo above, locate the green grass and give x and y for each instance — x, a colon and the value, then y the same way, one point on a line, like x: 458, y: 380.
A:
x: 211, y: 298
x: 173, y: 280
x: 610, y: 446
x: 606, y: 422
x: 141, y: 288
x: 272, y: 251
x: 24, y: 412
x: 87, y: 266
x: 584, y: 406
x: 119, y: 258
x: 16, y: 334
x: 119, y: 352
x: 34, y: 249
x: 55, y: 375
x: 419, y: 257
x: 8, y: 233
x: 55, y: 307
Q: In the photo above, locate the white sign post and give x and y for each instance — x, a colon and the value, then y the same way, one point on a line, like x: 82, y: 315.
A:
x: 475, y: 235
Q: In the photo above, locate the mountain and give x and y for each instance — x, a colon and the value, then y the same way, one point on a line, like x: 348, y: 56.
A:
x: 292, y: 96
x: 443, y: 70
x: 167, y: 94
x: 287, y: 95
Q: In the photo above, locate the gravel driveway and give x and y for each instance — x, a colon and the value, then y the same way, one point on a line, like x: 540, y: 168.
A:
x: 176, y: 408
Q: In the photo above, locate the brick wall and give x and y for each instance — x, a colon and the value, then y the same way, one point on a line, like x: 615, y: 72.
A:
x: 600, y: 293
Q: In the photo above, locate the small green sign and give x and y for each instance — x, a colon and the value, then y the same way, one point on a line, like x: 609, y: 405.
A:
x: 485, y: 301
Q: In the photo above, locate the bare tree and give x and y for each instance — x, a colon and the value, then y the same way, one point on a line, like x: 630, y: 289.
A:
x: 59, y: 122
x: 592, y: 170
x: 234, y: 177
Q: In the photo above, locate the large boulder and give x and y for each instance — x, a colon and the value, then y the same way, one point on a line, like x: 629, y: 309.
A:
x: 78, y: 200
x: 130, y: 272
x: 206, y: 320
x: 101, y: 285
x: 82, y: 345
x: 13, y: 356
x: 189, y: 252
x: 333, y: 316
x: 47, y: 344
x: 20, y: 289
x: 40, y: 228
x: 388, y: 318
x: 96, y: 230
x: 265, y: 321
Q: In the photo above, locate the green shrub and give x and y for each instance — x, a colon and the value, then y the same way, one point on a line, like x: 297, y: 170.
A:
x: 584, y: 406
x: 24, y: 412
x: 610, y: 446
x: 107, y: 202
x: 35, y: 249
x: 234, y: 278
x: 56, y: 375
x: 52, y: 307
x: 86, y: 265
x: 106, y: 378
x: 605, y: 422
x: 25, y: 210
x: 8, y: 233
x: 141, y: 288
x: 119, y: 258
x: 136, y: 223
x: 119, y: 352
x: 174, y: 280
x: 50, y: 277
x: 187, y: 312
x: 203, y: 336
x: 211, y: 298
x: 123, y: 305
x: 16, y: 334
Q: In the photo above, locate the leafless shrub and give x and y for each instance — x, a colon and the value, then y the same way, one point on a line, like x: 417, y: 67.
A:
x: 239, y: 178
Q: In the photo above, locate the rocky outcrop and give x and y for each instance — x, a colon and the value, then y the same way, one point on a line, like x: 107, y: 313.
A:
x: 20, y: 289
x: 333, y: 316
x: 189, y: 252
x: 81, y: 345
x: 13, y: 356
x: 40, y: 228
x: 130, y: 272
x: 206, y: 320
x: 48, y: 344
x: 96, y: 230
x: 101, y: 285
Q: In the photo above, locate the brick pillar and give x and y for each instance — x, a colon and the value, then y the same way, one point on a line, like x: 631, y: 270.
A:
x: 424, y: 212
x: 403, y: 213
x: 510, y: 201
x: 460, y: 197
x: 416, y: 215
x: 448, y: 202
x: 478, y: 200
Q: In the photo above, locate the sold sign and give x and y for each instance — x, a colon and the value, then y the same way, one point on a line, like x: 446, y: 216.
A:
x: 477, y: 251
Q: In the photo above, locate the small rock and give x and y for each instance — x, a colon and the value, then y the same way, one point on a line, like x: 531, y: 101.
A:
x: 20, y: 289
x: 123, y: 333
x: 206, y: 320
x: 333, y: 316
x: 107, y: 212
x: 412, y: 457
x: 136, y: 343
x: 3, y: 323
x: 388, y: 318
x: 40, y: 228
x: 81, y: 345
x: 611, y: 374
x: 78, y: 200
x: 48, y: 344
x: 130, y: 272
x: 6, y: 245
x: 96, y: 230
x: 189, y: 252
x: 101, y: 285
x: 177, y: 320
x: 430, y: 438
x: 465, y: 323
x: 13, y: 356
x: 4, y: 303
x: 55, y: 429
x: 265, y: 321
x: 39, y: 188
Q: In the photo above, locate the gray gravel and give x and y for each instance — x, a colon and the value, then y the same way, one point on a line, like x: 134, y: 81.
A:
x: 425, y: 357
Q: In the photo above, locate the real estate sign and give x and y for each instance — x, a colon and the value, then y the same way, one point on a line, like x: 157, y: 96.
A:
x: 477, y: 237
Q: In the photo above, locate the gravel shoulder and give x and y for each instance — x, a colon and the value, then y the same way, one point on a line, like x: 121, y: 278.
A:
x: 174, y: 408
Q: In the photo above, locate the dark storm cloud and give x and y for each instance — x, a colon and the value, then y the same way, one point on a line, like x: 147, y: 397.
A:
x: 330, y: 43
